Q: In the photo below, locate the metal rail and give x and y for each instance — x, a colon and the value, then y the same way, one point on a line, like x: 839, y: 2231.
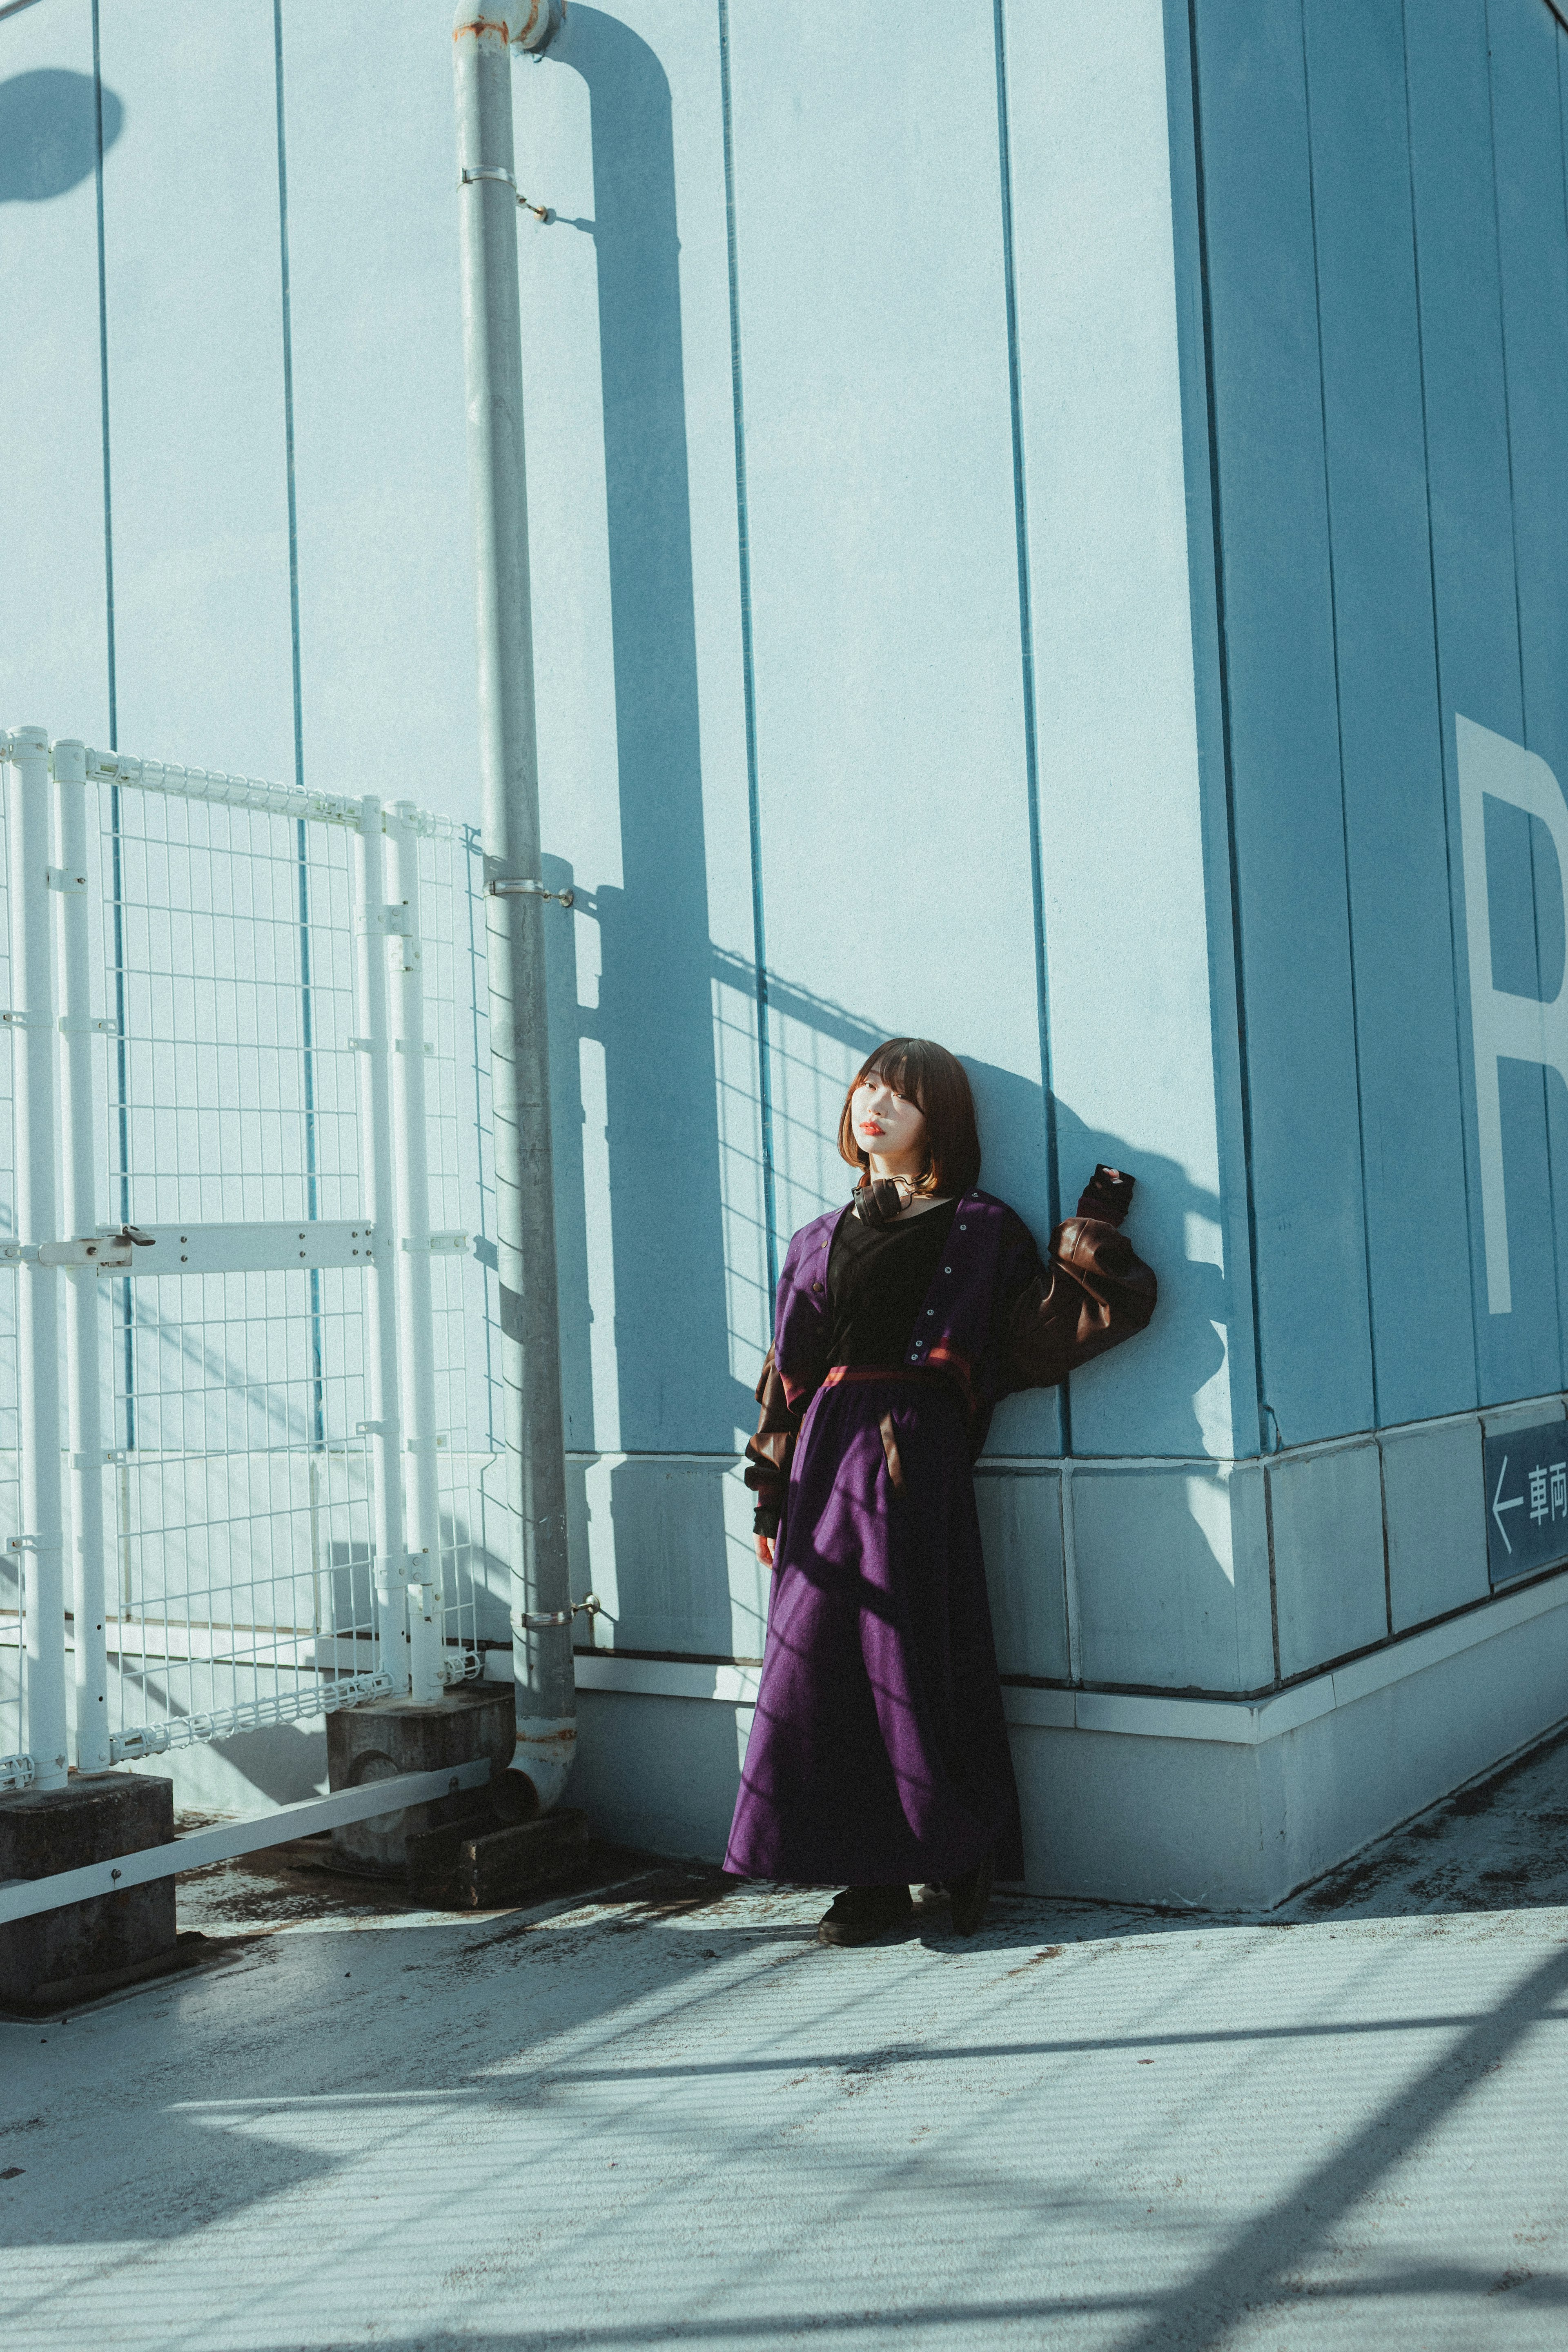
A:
x: 24, y: 1898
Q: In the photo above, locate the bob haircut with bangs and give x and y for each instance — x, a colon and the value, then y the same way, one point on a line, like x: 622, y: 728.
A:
x: 936, y: 1081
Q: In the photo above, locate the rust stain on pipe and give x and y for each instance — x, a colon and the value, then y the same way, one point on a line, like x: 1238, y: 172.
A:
x: 479, y: 25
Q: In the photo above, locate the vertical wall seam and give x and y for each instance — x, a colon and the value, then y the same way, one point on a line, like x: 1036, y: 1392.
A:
x: 1221, y: 650
x: 1518, y: 640
x: 1026, y: 650
x: 1457, y: 960
x: 103, y: 390
x: 289, y: 395
x: 1387, y: 1570
x: 1069, y: 1575
x: 748, y: 669
x: 1339, y: 729
x: 306, y: 1015
x: 124, y: 1297
x: 1273, y: 1579
x: 1506, y: 405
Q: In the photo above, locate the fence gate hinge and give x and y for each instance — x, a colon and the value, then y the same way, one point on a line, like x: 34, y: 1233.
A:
x: 398, y: 922
x: 62, y: 879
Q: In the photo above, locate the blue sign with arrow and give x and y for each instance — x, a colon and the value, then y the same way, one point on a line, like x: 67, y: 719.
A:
x: 1526, y: 1473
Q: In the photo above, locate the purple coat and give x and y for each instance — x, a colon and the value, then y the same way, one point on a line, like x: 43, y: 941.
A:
x: 879, y: 1751
x: 996, y: 1317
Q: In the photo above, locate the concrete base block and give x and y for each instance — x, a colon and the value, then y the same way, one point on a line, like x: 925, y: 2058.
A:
x: 473, y: 1866
x: 85, y: 1949
x: 392, y: 1735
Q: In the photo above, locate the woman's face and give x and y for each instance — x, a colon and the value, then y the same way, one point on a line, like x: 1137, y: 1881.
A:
x: 888, y: 1128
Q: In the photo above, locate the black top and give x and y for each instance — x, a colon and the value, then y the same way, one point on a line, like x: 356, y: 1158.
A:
x: 877, y: 1277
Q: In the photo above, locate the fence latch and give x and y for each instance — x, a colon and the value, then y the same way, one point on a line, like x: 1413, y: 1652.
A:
x: 105, y: 1250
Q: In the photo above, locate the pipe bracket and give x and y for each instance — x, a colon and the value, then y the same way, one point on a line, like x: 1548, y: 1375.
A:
x: 474, y: 171
x: 539, y: 1620
x: 506, y: 887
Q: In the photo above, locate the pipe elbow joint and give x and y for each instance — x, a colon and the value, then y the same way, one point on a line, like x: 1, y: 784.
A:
x: 535, y: 1779
x: 527, y: 25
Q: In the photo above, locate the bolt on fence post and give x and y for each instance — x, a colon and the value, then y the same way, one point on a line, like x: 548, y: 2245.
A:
x: 41, y: 1538
x: 416, y: 1319
x: 380, y: 1205
x: 83, y: 1377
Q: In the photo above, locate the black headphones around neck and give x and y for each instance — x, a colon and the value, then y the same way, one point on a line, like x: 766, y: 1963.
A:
x: 878, y: 1203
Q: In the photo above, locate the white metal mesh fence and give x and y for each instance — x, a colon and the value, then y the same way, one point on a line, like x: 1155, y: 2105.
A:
x: 13, y: 1627
x: 241, y: 1470
x: 247, y: 1416
x: 451, y: 885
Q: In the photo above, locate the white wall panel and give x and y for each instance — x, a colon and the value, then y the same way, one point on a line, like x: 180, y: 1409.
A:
x: 890, y: 705
x: 53, y: 660
x: 385, y: 569
x: 196, y: 387
x: 1133, y: 1047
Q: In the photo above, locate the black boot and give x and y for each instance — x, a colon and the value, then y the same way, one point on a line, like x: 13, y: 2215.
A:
x: 971, y: 1894
x: 861, y: 1914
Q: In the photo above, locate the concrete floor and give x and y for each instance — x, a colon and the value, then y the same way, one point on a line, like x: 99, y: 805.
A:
x: 663, y: 2113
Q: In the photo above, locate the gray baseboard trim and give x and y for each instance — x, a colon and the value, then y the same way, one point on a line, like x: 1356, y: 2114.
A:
x: 1246, y: 1723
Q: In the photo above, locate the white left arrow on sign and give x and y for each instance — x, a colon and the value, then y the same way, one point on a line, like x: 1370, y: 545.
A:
x: 1514, y: 1503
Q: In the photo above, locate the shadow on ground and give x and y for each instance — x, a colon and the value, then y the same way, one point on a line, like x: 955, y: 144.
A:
x: 654, y: 2108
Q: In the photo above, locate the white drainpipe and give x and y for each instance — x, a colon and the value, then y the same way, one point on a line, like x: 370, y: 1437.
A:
x: 485, y: 37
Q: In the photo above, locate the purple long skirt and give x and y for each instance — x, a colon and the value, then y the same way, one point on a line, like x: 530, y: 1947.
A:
x: 879, y: 1751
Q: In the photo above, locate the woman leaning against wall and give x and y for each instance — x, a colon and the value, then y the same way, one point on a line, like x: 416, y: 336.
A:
x: 879, y: 1754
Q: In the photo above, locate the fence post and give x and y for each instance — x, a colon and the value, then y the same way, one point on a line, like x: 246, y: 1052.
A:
x: 415, y: 1321
x: 41, y: 1538
x: 380, y: 1205
x: 83, y: 1378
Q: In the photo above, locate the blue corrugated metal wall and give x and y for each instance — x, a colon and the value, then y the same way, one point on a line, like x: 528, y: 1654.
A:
x: 1387, y: 270
x: 1017, y: 500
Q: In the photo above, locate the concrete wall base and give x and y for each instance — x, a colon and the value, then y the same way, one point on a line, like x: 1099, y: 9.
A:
x: 395, y: 1735
x: 85, y: 1948
x: 1197, y: 1804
